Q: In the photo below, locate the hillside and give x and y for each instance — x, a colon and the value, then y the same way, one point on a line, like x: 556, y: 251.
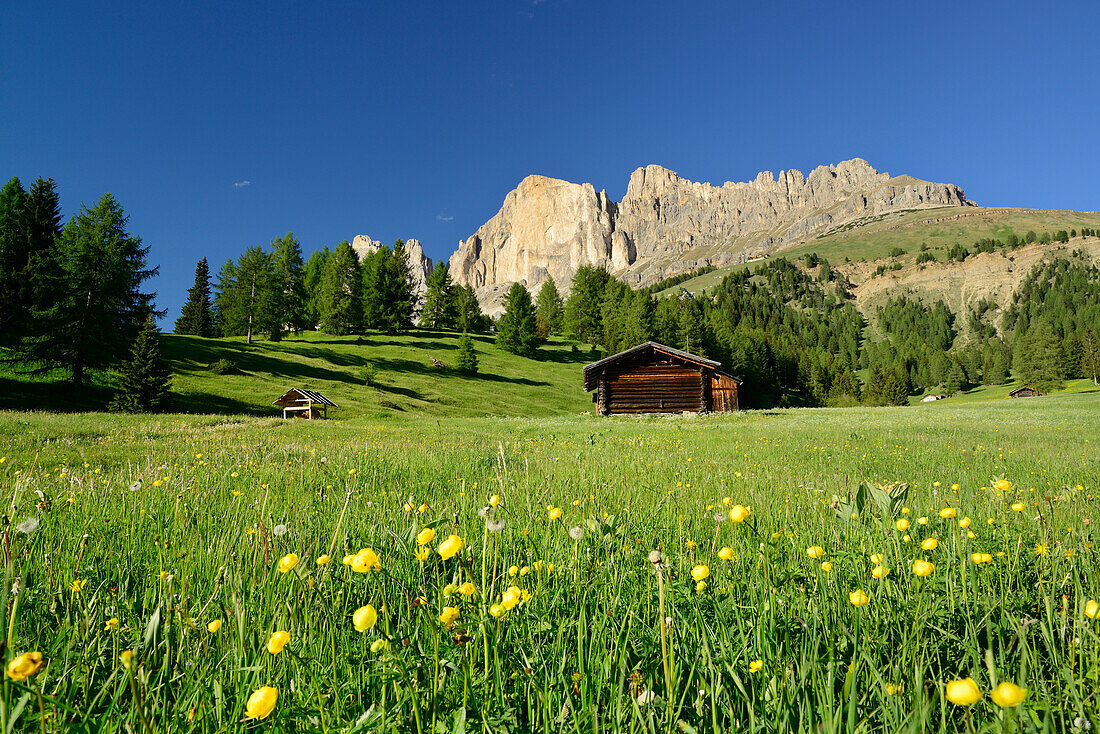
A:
x: 405, y: 383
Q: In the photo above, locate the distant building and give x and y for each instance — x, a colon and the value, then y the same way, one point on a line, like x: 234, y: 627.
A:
x: 654, y: 378
x: 931, y: 398
x: 299, y: 403
x: 1027, y: 391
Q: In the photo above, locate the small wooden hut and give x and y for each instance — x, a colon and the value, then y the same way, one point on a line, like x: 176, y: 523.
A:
x: 299, y: 403
x: 1027, y: 391
x: 654, y: 378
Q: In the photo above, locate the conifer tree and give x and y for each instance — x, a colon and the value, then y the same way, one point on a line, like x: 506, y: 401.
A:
x: 550, y: 308
x: 248, y: 297
x: 341, y: 295
x: 516, y: 331
x: 440, y: 302
x: 312, y: 276
x: 196, y: 317
x: 144, y: 378
x: 12, y: 244
x: 290, y: 291
x: 402, y: 303
x: 467, y: 357
x: 470, y: 317
x: 1041, y: 361
x: 582, y: 309
x: 98, y: 306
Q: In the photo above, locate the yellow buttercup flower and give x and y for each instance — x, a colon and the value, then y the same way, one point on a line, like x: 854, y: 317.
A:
x: 922, y: 521
x: 511, y: 598
x: 450, y: 547
x: 553, y: 512
x: 1002, y: 484
x: 1007, y: 695
x: 1017, y: 506
x: 366, y: 560
x: 449, y: 615
x: 1092, y: 609
x: 964, y: 523
x: 25, y: 665
x: 288, y: 562
x: 364, y: 618
x: 77, y: 585
x: 755, y: 666
x: 739, y: 513
x: 467, y: 589
x: 923, y: 568
x: 261, y: 703
x: 323, y: 560
x: 126, y: 657
x: 826, y: 566
x: 277, y: 641
x: 112, y: 624
x: 877, y: 558
x: 700, y: 586
x: 815, y: 551
x: 902, y: 525
x: 700, y: 572
x: 497, y: 611
x: 425, y: 536
x: 513, y: 570
x: 963, y: 692
x: 214, y: 626
x: 858, y: 598
x: 948, y: 512
x: 725, y: 553
x: 422, y: 553
x: 378, y: 645
x: 494, y: 500
x: 880, y: 572
x: 930, y: 544
x: 981, y: 558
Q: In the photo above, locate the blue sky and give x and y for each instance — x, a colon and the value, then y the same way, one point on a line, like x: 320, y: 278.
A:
x: 223, y: 125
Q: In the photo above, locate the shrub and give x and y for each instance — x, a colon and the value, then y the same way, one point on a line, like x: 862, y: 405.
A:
x: 225, y: 367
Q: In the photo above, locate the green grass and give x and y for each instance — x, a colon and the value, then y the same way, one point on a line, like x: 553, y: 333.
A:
x: 195, y: 541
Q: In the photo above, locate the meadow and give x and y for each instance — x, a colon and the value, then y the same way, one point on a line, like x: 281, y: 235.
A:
x: 417, y: 572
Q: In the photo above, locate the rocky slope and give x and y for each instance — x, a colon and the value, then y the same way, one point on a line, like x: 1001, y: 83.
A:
x: 666, y: 224
x: 420, y: 265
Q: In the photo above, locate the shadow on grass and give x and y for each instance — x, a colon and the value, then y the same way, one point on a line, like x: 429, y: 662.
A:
x: 194, y: 355
x: 201, y: 402
x: 57, y: 397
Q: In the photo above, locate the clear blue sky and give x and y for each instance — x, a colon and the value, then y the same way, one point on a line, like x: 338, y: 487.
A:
x: 220, y: 125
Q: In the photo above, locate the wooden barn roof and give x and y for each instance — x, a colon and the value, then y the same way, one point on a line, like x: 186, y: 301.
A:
x: 305, y: 394
x: 592, y: 371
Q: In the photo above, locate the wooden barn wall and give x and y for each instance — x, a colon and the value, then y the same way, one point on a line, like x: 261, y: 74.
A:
x: 723, y: 392
x: 654, y: 387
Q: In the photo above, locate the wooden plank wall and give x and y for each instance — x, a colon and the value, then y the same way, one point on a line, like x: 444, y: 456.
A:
x: 723, y: 391
x: 654, y: 387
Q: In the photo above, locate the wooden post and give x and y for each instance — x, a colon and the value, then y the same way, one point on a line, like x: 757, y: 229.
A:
x: 601, y: 392
x: 704, y: 391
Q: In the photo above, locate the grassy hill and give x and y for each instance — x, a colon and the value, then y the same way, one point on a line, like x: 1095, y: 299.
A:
x: 406, y: 381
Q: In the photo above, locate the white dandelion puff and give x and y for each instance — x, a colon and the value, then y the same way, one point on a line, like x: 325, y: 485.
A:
x: 279, y: 531
x: 495, y: 526
x: 135, y: 486
x: 28, y: 526
x: 576, y: 532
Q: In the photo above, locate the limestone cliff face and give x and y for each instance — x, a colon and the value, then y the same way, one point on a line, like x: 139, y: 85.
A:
x: 666, y: 225
x: 420, y: 265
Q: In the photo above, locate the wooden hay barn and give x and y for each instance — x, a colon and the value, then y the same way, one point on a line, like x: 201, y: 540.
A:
x: 653, y: 378
x: 1027, y: 391
x: 299, y: 403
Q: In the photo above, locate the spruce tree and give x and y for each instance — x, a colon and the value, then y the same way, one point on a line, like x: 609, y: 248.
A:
x: 467, y: 357
x: 144, y: 379
x: 196, y: 317
x: 582, y: 309
x: 402, y: 301
x: 550, y: 307
x: 341, y: 297
x: 470, y: 317
x: 290, y: 289
x: 516, y: 329
x: 1041, y: 361
x: 12, y: 258
x: 440, y: 302
x: 98, y: 306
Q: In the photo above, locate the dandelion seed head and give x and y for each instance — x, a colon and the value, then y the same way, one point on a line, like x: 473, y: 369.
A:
x: 279, y: 531
x: 135, y: 486
x: 28, y: 526
x: 576, y: 532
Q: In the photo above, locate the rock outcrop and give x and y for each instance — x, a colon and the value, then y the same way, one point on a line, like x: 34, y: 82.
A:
x: 666, y: 225
x: 420, y: 265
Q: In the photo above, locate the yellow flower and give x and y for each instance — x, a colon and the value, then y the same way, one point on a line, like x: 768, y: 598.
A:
x: 954, y: 488
x: 1040, y: 550
x: 422, y: 553
x: 467, y: 589
x: 700, y: 572
x: 77, y: 585
x: 902, y: 525
x: 449, y: 547
x: 922, y: 521
x: 923, y: 568
x: 947, y: 513
x: 214, y: 626
x: 524, y: 570
x: 494, y: 500
x: 815, y: 551
x: 700, y: 586
x: 422, y: 509
x: 876, y: 558
x: 930, y: 544
x: 739, y: 513
x: 449, y: 589
x: 880, y: 572
x: 1002, y: 484
x: 164, y: 575
x: 277, y: 642
x: 906, y: 537
x: 364, y: 618
x: 378, y: 645
x: 981, y: 558
x: 497, y: 611
x: 690, y: 544
x: 1017, y: 506
x: 425, y: 536
x: 1092, y: 609
x: 513, y: 570
x: 755, y: 666
x: 261, y: 703
x: 449, y: 615
x: 964, y: 523
x: 963, y: 692
x: 112, y: 624
x: 366, y: 560
x: 826, y: 567
x: 1007, y: 695
x: 288, y: 562
x: 323, y: 560
x: 725, y: 553
x: 858, y: 598
x: 127, y: 658
x: 25, y: 665
x: 348, y: 559
x: 553, y: 512
x: 511, y: 598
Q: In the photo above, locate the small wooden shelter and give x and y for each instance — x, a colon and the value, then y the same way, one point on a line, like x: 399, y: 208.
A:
x: 299, y: 403
x: 1027, y: 391
x: 654, y: 378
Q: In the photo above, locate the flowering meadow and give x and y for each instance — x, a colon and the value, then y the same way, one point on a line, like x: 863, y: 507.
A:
x: 917, y: 569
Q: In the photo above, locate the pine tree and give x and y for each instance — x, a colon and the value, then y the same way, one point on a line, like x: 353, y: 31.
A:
x: 144, y: 379
x: 582, y: 309
x: 290, y: 290
x: 196, y: 317
x: 402, y: 301
x: 12, y: 246
x: 470, y: 317
x: 516, y: 330
x: 98, y: 306
x: 440, y: 300
x: 341, y: 296
x: 1041, y: 361
x: 550, y: 307
x: 467, y: 357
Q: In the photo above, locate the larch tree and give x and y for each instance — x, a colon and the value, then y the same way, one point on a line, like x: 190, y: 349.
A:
x: 290, y: 289
x: 248, y: 295
x: 549, y: 308
x: 341, y: 303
